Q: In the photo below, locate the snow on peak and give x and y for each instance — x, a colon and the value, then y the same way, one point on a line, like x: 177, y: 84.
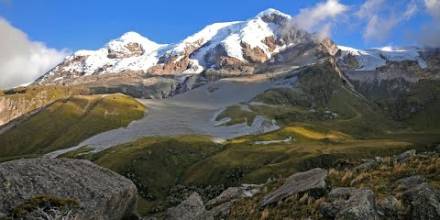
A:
x: 271, y: 11
x: 132, y: 37
x: 132, y: 51
x: 231, y: 35
x: 371, y: 59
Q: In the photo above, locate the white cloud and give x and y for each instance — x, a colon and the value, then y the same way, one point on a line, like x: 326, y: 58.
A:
x: 321, y: 17
x: 433, y: 7
x: 370, y: 8
x: 430, y: 33
x: 381, y: 17
x: 23, y: 60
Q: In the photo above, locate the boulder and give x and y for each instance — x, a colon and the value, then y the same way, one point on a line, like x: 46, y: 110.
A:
x: 410, y: 182
x: 312, y: 181
x: 405, y: 156
x: 191, y: 208
x: 367, y: 165
x: 220, y: 207
x: 234, y: 193
x: 350, y: 204
x: 388, y: 207
x: 422, y: 200
x: 64, y: 188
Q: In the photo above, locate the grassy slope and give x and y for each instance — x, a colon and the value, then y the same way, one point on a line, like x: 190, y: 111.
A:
x: 237, y: 115
x: 34, y: 97
x: 359, y: 131
x: 68, y: 121
x: 155, y: 164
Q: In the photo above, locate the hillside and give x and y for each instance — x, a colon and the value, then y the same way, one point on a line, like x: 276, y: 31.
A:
x: 66, y: 122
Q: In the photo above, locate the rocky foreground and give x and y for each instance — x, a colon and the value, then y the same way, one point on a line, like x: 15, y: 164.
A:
x: 64, y: 189
x: 405, y: 186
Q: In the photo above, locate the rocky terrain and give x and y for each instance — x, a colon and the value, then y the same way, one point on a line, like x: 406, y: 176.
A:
x: 64, y: 189
x: 404, y: 186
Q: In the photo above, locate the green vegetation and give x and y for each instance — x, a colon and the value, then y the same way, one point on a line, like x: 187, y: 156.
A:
x: 158, y: 164
x: 326, y: 121
x: 246, y: 162
x: 154, y: 164
x: 67, y: 122
x: 38, y: 96
x: 237, y: 114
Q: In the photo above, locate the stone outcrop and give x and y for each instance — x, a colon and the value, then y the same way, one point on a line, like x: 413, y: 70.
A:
x: 388, y: 207
x: 254, y: 55
x: 170, y: 65
x: 422, y: 200
x: 405, y: 156
x: 132, y: 49
x: 218, y: 208
x: 312, y: 181
x: 92, y: 192
x: 350, y: 203
x: 191, y: 208
x: 18, y: 102
x: 234, y: 193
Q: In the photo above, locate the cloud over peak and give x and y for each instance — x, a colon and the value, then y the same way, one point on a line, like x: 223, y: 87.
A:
x: 321, y: 17
x: 381, y: 17
x: 23, y: 60
x: 430, y: 36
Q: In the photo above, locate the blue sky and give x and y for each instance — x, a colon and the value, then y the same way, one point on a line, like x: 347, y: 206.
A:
x: 77, y: 24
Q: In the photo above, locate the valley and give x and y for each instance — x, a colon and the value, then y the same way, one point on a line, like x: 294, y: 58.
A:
x: 221, y: 120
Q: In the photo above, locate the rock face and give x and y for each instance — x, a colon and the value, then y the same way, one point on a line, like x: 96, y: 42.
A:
x: 25, y: 100
x: 422, y: 200
x: 350, y: 203
x: 312, y: 181
x: 98, y: 192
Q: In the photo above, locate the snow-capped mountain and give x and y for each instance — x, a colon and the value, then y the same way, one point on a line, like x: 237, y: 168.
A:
x: 228, y: 45
x: 267, y: 42
x: 371, y: 59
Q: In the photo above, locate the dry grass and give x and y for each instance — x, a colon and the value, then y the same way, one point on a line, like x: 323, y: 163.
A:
x: 380, y: 179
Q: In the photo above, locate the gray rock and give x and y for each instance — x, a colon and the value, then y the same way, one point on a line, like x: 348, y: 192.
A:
x: 234, y: 193
x: 405, y: 156
x: 220, y: 207
x: 312, y: 181
x: 191, y: 208
x: 422, y: 200
x: 388, y: 207
x: 350, y: 203
x: 370, y: 164
x: 100, y: 193
x: 221, y: 211
x: 410, y: 182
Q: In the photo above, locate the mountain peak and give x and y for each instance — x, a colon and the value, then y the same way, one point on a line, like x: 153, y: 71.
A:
x: 134, y: 37
x: 131, y: 35
x: 272, y: 11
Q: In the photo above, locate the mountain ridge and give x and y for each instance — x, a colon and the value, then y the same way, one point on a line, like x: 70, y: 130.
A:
x: 231, y: 45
